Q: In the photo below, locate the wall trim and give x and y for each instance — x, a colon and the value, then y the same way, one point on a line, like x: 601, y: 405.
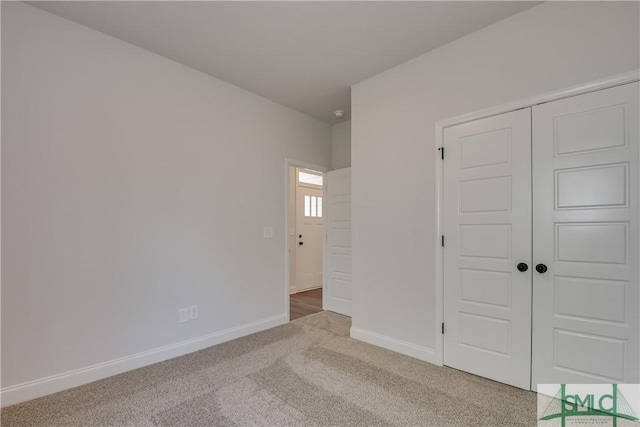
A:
x: 66, y: 380
x: 600, y: 84
x: 399, y: 346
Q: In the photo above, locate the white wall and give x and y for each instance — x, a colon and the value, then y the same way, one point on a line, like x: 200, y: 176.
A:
x: 133, y: 186
x: 341, y: 145
x: 551, y: 46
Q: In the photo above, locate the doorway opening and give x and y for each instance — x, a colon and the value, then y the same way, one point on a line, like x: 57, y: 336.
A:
x: 305, y: 240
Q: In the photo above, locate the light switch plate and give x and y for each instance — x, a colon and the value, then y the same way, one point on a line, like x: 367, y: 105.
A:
x: 267, y: 232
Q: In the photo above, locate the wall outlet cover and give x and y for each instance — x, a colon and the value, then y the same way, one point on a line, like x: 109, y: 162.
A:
x: 184, y: 315
x: 193, y: 312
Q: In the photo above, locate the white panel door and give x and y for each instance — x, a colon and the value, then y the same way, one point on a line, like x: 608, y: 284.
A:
x: 337, y: 291
x: 309, y: 232
x: 487, y: 230
x: 586, y: 233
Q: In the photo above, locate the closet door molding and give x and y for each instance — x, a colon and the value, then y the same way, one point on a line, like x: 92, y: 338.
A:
x: 618, y: 80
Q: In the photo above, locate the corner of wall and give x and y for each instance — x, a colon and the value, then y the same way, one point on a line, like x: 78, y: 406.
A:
x: 341, y: 145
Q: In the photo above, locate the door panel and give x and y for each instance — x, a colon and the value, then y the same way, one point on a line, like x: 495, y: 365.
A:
x: 487, y: 227
x: 585, y: 191
x: 337, y: 294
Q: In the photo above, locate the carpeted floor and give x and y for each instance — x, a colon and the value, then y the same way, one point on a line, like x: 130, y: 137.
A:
x: 308, y: 372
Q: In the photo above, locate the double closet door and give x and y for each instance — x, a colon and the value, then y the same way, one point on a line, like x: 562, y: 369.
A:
x: 541, y: 261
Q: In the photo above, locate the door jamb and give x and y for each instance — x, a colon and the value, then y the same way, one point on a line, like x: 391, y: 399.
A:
x: 287, y: 280
x: 609, y: 82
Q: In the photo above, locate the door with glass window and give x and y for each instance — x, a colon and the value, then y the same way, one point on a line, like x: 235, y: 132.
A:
x: 308, y: 236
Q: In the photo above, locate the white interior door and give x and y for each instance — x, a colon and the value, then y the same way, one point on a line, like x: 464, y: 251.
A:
x: 337, y: 291
x: 487, y: 231
x: 586, y: 232
x: 308, y: 241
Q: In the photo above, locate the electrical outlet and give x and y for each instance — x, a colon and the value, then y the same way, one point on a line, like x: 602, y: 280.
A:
x: 184, y: 315
x: 193, y: 312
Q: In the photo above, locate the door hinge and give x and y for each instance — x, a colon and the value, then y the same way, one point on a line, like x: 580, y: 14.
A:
x: 443, y: 328
x: 441, y: 150
x: 442, y: 240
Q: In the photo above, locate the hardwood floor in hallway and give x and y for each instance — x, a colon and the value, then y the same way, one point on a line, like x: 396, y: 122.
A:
x: 305, y: 303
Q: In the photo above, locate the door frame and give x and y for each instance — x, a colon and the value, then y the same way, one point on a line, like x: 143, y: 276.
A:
x: 288, y: 163
x: 609, y: 82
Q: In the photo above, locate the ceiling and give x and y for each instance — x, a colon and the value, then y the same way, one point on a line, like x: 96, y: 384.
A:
x: 304, y: 55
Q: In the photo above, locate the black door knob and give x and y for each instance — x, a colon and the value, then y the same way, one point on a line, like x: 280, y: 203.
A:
x: 300, y: 243
x: 522, y: 267
x: 541, y: 268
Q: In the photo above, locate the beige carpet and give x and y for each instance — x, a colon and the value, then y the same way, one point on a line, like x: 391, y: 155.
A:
x: 308, y: 372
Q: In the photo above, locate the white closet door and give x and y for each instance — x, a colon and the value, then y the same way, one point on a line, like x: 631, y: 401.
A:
x: 586, y: 232
x: 487, y: 229
x: 337, y: 293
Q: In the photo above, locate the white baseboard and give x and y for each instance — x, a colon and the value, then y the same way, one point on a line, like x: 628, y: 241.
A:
x: 403, y: 347
x: 44, y: 386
